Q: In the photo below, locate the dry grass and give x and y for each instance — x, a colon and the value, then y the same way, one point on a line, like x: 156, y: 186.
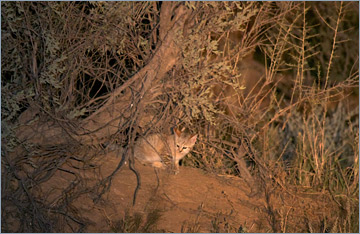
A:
x: 271, y: 88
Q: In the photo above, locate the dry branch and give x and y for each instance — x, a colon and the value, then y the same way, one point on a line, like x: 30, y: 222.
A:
x: 118, y: 107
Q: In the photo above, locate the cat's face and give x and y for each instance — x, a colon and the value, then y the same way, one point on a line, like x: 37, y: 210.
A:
x: 184, y: 142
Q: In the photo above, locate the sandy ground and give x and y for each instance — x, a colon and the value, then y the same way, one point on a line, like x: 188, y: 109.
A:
x: 195, y: 201
x: 191, y: 201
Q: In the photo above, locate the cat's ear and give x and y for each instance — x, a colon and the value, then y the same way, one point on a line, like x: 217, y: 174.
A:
x: 177, y: 131
x: 193, y: 138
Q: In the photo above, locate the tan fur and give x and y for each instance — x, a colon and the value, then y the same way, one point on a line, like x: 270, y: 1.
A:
x: 159, y: 149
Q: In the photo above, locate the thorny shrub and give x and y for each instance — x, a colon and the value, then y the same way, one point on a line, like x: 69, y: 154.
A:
x: 66, y: 58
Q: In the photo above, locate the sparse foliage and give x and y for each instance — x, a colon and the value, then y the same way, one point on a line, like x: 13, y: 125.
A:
x: 270, y: 87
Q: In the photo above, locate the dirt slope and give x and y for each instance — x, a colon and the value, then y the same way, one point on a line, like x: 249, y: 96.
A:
x: 191, y: 201
x: 187, y: 200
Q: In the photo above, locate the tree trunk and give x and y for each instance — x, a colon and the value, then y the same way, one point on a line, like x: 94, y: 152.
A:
x: 125, y: 100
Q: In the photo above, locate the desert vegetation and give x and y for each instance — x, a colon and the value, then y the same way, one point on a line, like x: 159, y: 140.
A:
x: 270, y: 87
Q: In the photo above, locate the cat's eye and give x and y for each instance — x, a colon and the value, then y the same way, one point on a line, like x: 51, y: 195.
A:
x: 184, y: 147
x: 178, y: 146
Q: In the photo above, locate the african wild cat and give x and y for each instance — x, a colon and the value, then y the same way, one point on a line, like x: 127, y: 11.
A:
x: 159, y: 150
